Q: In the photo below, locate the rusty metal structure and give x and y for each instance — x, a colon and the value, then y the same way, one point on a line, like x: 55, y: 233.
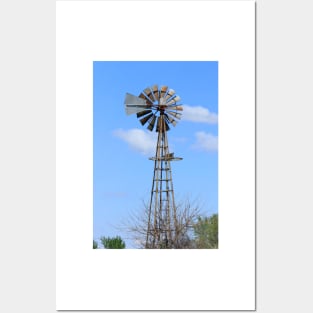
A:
x: 158, y: 108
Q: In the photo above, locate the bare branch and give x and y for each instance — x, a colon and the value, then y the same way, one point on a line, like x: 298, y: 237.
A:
x: 136, y: 226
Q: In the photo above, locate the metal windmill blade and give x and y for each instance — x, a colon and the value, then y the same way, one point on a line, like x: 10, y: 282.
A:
x: 155, y: 92
x: 174, y: 100
x: 151, y: 123
x: 144, y: 120
x: 163, y: 90
x: 174, y: 114
x: 148, y: 92
x: 175, y: 108
x: 148, y: 101
x: 158, y: 124
x: 170, y: 119
x: 170, y: 93
x: 134, y: 104
x: 143, y: 113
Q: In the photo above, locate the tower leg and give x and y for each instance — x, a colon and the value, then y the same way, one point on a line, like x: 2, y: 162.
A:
x: 162, y: 220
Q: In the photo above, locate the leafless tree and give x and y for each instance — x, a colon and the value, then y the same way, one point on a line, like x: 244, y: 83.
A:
x: 136, y: 227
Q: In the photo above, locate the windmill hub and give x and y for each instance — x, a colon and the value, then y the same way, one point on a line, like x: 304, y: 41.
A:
x: 156, y: 107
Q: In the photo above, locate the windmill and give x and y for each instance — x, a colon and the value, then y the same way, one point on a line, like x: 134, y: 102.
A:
x: 157, y: 108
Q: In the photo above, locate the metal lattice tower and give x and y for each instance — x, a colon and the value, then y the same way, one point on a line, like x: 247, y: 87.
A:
x: 159, y: 107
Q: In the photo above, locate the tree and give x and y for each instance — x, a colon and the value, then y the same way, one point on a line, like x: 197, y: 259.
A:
x: 113, y: 243
x: 182, y: 236
x: 206, y: 232
x: 95, y: 244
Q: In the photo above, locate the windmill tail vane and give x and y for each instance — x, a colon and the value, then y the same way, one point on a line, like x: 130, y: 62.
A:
x: 158, y: 108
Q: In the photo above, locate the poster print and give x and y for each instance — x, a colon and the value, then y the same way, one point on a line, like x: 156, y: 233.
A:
x: 163, y: 204
x: 94, y: 33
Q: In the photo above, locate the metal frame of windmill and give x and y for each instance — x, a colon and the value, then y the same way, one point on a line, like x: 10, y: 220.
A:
x: 157, y: 107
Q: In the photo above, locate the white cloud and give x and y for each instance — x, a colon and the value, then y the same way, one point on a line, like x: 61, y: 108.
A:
x: 199, y: 114
x: 205, y: 142
x: 138, y: 140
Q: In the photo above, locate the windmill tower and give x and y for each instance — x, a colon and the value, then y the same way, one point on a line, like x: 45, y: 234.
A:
x: 157, y: 107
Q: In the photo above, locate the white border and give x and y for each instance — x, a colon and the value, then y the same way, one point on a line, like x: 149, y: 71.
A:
x: 222, y: 279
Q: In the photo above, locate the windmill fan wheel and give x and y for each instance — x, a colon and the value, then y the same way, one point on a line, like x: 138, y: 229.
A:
x: 156, y: 107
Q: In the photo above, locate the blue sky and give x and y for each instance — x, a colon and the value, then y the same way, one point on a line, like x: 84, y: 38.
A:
x: 122, y: 171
